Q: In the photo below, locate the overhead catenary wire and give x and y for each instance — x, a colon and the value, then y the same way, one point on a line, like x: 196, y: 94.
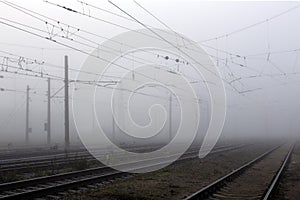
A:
x: 75, y: 81
x: 216, y: 57
x: 56, y: 41
x: 51, y: 39
x: 240, y: 65
x: 146, y: 26
x: 163, y: 38
x: 47, y: 64
x: 170, y: 43
x: 93, y: 83
x: 217, y: 50
x: 76, y: 28
x: 97, y: 18
x: 252, y: 25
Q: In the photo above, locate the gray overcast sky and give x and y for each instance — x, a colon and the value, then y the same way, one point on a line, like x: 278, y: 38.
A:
x: 272, y: 110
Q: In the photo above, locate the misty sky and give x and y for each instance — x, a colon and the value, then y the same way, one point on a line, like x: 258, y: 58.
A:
x: 262, y: 101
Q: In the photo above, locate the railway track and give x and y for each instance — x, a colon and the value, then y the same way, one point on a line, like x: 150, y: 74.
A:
x: 257, y: 179
x: 43, y: 186
x: 289, y: 185
x: 28, y: 164
x: 15, y: 154
x: 44, y: 161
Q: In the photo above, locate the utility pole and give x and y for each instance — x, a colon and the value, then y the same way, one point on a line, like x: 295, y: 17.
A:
x: 113, y: 120
x: 170, y: 117
x: 49, y: 115
x: 27, y: 116
x: 67, y: 136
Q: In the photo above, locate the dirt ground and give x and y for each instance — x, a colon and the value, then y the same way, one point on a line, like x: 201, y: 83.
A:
x: 176, y: 181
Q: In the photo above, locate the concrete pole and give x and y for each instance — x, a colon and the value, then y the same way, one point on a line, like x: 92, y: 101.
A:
x: 67, y: 136
x: 170, y: 117
x: 27, y: 116
x: 49, y: 115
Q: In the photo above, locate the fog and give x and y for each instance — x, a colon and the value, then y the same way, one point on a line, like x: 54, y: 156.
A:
x: 254, y: 45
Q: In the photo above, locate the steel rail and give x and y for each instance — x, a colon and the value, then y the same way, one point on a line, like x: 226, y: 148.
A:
x: 42, y: 162
x: 275, y: 181
x: 216, y: 185
x: 38, y: 187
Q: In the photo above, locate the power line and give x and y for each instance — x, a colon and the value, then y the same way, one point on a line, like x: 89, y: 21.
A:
x: 84, y: 82
x: 94, y: 83
x: 74, y: 34
x: 35, y: 47
x: 170, y: 28
x: 104, y: 10
x: 27, y: 72
x: 275, y: 52
x: 77, y: 81
x: 230, y: 83
x: 165, y: 39
x: 66, y: 25
x: 252, y: 25
x: 96, y: 18
x: 145, y: 26
x: 55, y: 41
x: 59, y: 28
x: 47, y: 64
